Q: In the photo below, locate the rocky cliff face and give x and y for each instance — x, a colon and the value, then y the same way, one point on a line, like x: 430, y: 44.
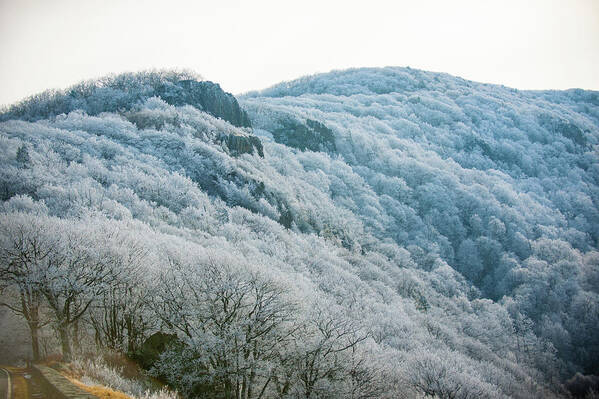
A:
x: 125, y: 92
x: 311, y: 135
x: 208, y: 97
x: 564, y: 127
x: 238, y: 144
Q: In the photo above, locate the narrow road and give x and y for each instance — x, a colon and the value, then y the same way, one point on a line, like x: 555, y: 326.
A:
x: 5, y: 385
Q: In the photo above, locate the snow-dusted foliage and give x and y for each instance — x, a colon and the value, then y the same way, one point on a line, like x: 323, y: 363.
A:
x: 445, y: 244
x: 501, y: 185
x: 97, y: 372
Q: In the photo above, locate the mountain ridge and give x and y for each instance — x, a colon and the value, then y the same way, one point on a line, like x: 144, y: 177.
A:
x: 124, y: 91
x: 422, y: 76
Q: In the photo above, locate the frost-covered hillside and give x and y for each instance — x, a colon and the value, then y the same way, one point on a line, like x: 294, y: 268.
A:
x: 500, y: 184
x: 363, y: 233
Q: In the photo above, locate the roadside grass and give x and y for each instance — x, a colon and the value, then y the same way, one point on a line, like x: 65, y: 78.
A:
x: 112, y: 375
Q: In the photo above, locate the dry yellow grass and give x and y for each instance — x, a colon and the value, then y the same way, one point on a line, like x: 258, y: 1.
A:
x: 98, y: 390
x: 102, y: 392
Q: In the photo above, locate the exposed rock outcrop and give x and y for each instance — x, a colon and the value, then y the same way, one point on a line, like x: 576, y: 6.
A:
x: 563, y: 127
x: 311, y: 135
x: 238, y: 144
x: 153, y: 347
x: 122, y: 93
x: 208, y: 97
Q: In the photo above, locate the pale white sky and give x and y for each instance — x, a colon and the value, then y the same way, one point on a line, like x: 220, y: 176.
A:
x: 248, y: 45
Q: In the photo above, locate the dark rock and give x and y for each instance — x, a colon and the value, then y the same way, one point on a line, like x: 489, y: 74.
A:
x: 238, y: 144
x: 581, y: 385
x: 152, y: 348
x: 311, y: 135
x: 563, y: 127
x: 208, y: 97
x: 571, y: 131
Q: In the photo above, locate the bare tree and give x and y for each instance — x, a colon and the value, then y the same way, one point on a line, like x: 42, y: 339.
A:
x: 236, y: 321
x: 323, y: 351
x: 23, y: 253
x: 120, y: 316
x: 441, y: 375
x: 365, y: 380
x: 74, y: 273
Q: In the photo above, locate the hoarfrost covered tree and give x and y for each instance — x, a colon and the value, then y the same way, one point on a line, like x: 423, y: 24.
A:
x: 325, y: 346
x: 24, y: 251
x: 232, y: 323
x: 64, y: 262
x: 73, y: 276
x: 120, y: 314
x: 440, y: 374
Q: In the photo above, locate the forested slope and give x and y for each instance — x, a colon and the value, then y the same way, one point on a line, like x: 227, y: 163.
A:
x: 363, y: 233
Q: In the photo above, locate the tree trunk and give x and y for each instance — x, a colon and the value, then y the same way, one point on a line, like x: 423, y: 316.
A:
x: 65, y: 343
x: 244, y: 387
x: 131, y: 334
x: 76, y: 342
x: 228, y: 388
x: 250, y: 383
x: 264, y: 388
x: 308, y: 385
x: 35, y: 343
